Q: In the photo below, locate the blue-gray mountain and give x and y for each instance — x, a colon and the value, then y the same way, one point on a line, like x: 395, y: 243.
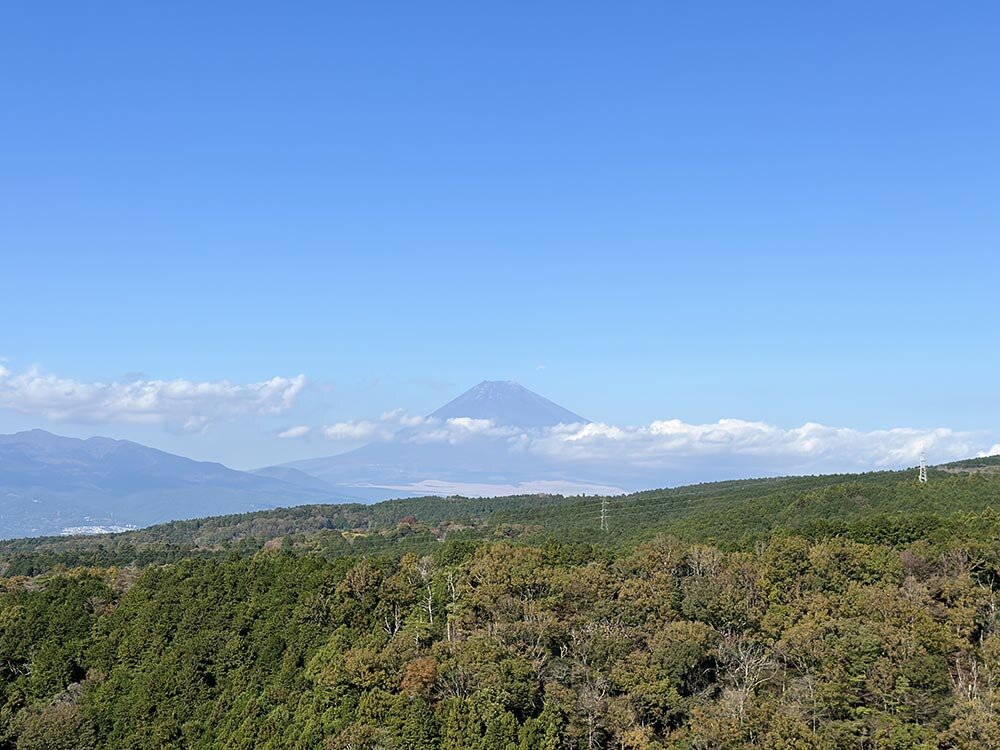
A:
x: 485, y: 459
x: 507, y: 403
x: 49, y: 483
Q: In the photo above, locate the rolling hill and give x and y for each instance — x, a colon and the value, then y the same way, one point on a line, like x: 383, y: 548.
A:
x: 890, y: 507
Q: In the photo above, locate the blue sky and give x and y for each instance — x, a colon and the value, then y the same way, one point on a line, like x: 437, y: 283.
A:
x: 779, y: 212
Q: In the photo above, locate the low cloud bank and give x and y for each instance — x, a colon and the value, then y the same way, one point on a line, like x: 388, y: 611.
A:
x: 179, y: 405
x: 669, y: 443
x: 190, y: 406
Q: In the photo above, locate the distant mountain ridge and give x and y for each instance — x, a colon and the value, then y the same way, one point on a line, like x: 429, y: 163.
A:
x: 49, y: 482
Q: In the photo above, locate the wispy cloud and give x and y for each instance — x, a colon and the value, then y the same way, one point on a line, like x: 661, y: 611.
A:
x: 180, y: 405
x: 294, y: 432
x: 362, y: 429
x: 668, y: 444
x: 384, y: 427
x: 403, y: 427
x: 811, y: 445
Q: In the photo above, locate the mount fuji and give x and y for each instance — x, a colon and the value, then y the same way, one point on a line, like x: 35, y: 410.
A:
x: 507, y: 403
x: 470, y: 446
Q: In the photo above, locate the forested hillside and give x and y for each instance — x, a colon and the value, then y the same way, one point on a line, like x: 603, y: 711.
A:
x: 882, y: 506
x: 837, y: 613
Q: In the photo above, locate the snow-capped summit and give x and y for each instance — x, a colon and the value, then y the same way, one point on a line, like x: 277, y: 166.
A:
x: 507, y: 403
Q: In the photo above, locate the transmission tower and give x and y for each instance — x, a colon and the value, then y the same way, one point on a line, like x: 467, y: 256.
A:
x: 604, y: 514
x: 922, y: 476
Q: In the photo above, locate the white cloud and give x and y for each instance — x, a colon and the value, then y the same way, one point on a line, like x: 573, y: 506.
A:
x: 459, y: 430
x: 811, y: 445
x: 182, y: 405
x: 383, y: 428
x: 994, y: 451
x: 295, y: 432
x: 672, y: 444
x: 399, y: 425
x: 400, y: 418
x: 589, y: 431
x: 362, y: 429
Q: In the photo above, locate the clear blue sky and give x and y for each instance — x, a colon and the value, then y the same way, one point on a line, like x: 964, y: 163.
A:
x: 774, y: 211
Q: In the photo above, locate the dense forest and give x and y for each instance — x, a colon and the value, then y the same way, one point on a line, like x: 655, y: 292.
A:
x: 836, y: 613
